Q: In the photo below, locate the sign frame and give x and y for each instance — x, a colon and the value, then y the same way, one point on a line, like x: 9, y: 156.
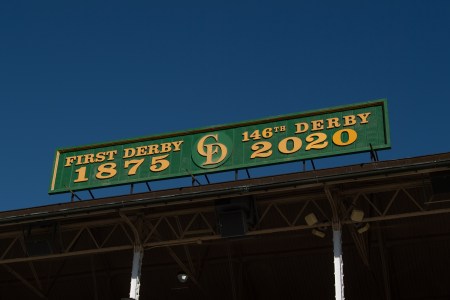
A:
x: 211, y: 152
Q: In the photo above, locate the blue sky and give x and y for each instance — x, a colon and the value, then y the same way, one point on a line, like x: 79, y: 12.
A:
x: 81, y: 72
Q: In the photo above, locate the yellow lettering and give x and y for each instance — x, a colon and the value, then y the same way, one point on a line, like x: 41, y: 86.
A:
x: 69, y: 160
x: 352, y: 135
x: 166, y: 147
x: 99, y: 157
x: 81, y: 175
x: 88, y: 158
x: 296, y: 145
x: 333, y: 123
x: 364, y: 117
x: 301, y: 127
x: 111, y: 154
x: 211, y: 149
x: 106, y: 171
x: 129, y: 152
x: 176, y: 145
x: 349, y: 120
x: 317, y: 125
x: 140, y: 151
x: 152, y: 149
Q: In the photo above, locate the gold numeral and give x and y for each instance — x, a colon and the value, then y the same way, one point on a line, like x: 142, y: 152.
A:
x: 337, y: 137
x: 318, y: 143
x: 81, y: 175
x: 136, y: 163
x: 159, y: 163
x: 262, y: 149
x: 296, y: 145
x: 106, y: 171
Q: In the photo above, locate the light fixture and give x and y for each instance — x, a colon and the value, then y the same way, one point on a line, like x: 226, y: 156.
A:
x: 357, y: 215
x: 318, y: 233
x: 182, y: 277
x: 311, y: 219
x: 363, y: 228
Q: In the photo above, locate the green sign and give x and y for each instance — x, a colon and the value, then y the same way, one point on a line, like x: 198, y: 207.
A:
x: 314, y: 134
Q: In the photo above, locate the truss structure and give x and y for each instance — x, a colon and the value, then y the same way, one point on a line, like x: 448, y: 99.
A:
x: 282, y: 203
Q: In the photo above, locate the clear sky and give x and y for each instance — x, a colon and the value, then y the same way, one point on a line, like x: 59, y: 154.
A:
x: 81, y: 72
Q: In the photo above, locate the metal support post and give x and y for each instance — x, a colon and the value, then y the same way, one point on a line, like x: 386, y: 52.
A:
x: 136, y: 272
x: 338, y: 263
x: 337, y: 246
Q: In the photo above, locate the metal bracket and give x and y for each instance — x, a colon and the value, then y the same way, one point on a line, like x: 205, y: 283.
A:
x: 312, y: 165
x: 194, y: 180
x: 373, y: 154
x: 73, y: 194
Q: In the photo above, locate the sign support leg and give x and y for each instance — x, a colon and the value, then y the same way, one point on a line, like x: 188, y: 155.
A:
x: 338, y: 264
x: 136, y: 272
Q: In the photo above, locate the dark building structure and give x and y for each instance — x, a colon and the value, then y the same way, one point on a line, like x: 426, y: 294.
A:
x: 261, y: 238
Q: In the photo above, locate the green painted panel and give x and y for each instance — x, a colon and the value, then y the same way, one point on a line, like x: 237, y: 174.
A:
x: 314, y: 134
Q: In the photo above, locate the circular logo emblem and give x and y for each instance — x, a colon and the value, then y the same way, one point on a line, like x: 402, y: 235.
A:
x: 212, y: 150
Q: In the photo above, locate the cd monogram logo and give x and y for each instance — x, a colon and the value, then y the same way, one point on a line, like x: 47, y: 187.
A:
x: 210, y: 152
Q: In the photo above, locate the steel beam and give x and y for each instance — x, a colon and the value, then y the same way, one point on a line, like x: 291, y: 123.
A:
x: 135, y: 283
x: 26, y: 283
x: 338, y: 264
